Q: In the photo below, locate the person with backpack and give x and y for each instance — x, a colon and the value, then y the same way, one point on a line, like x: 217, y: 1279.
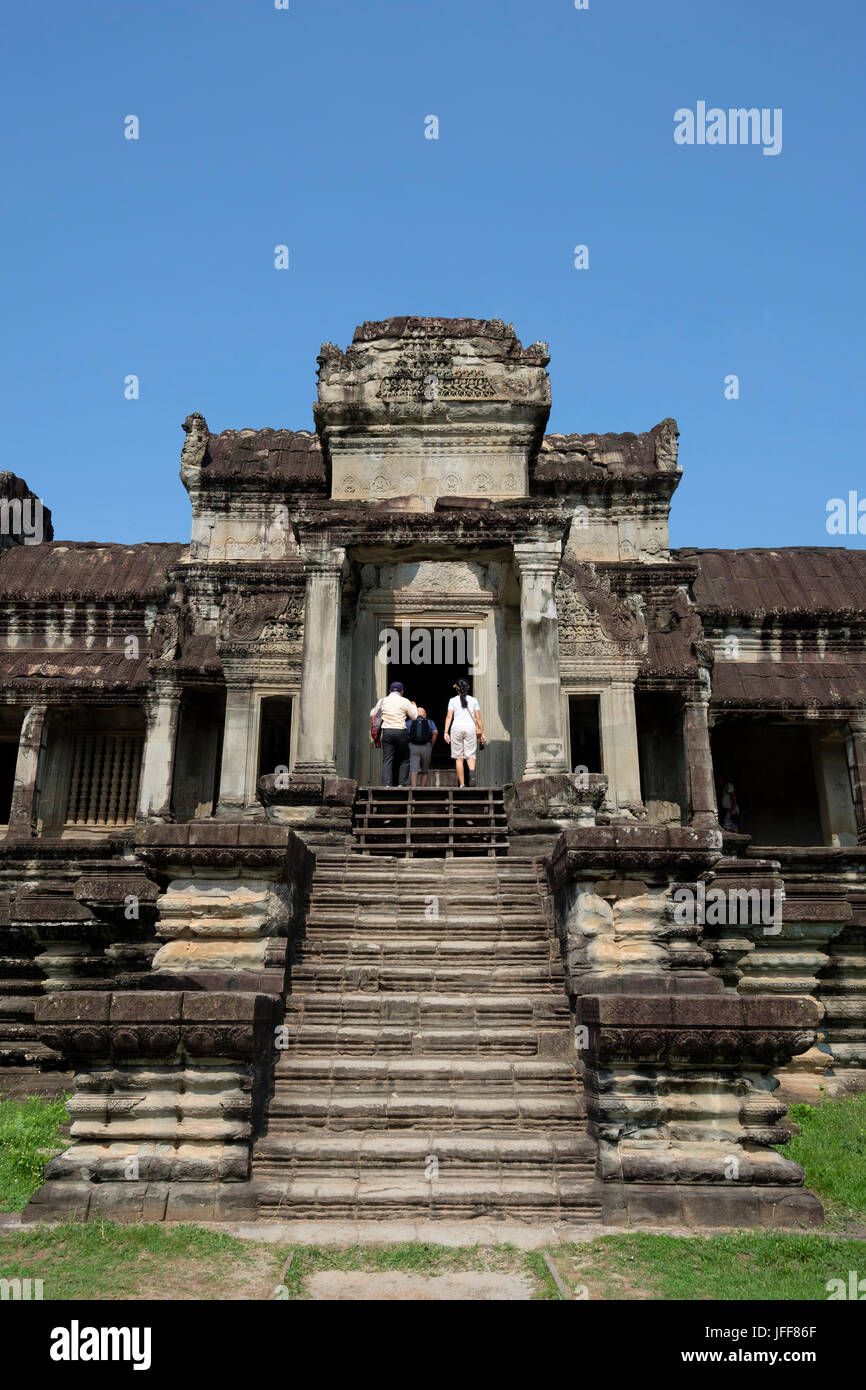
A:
x: 393, y: 711
x: 463, y: 729
x: 422, y: 735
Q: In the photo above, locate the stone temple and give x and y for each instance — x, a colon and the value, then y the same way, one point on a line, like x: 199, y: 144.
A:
x: 582, y: 990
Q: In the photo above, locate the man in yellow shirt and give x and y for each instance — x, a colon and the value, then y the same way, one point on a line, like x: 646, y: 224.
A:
x: 395, y: 709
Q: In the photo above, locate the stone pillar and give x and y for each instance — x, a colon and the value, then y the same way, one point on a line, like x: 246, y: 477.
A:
x: 619, y: 745
x: 157, y: 770
x: 835, y: 789
x: 857, y: 764
x: 537, y: 564
x: 318, y: 703
x: 699, y: 760
x: 235, y: 789
x: 22, y: 813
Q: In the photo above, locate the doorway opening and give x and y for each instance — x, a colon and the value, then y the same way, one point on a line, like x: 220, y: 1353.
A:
x: 275, y: 740
x: 584, y: 731
x: 430, y: 660
x: 198, y: 754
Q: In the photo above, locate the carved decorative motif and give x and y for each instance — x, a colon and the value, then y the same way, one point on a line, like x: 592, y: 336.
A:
x: 593, y: 621
x: 272, y: 621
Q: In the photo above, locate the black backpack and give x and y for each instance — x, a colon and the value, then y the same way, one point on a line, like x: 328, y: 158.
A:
x: 419, y: 731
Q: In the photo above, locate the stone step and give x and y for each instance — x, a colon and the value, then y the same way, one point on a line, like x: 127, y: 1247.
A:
x: 396, y: 870
x: 422, y: 1075
x: 26, y: 1051
x: 384, y: 1195
x: 317, y: 978
x: 544, y: 1009
x: 357, y: 896
x: 471, y: 897
x: 317, y: 1039
x: 291, y: 1109
x: 16, y: 1008
x: 454, y: 1155
x: 328, y: 949
x: 370, y: 923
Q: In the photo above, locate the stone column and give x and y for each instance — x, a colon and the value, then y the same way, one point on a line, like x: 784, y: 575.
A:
x: 619, y: 744
x: 235, y: 789
x: 857, y: 764
x: 22, y: 813
x: 699, y: 760
x: 537, y: 564
x: 157, y: 770
x: 318, y: 703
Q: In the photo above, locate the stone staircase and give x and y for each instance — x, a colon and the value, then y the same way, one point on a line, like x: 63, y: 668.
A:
x: 430, y: 822
x: 430, y: 1069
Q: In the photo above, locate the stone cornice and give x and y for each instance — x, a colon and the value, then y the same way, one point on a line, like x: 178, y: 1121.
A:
x: 697, y: 1029
x: 152, y: 1023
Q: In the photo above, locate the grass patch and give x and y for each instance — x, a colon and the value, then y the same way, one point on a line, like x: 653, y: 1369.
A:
x: 831, y: 1147
x: 106, y: 1260
x: 729, y: 1268
x: 29, y: 1136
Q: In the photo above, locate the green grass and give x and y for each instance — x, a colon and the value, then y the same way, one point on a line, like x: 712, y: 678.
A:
x: 831, y: 1146
x: 104, y: 1260
x: 29, y: 1135
x: 743, y: 1266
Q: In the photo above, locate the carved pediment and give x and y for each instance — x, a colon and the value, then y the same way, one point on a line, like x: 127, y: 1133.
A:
x: 595, y: 622
x: 264, y: 620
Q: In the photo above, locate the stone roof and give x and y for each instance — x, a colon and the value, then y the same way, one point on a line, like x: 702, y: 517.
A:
x: 87, y: 569
x: 293, y: 457
x: 793, y: 580
x: 73, y: 668
x: 793, y: 685
x: 594, y: 459
x: 415, y: 327
x: 14, y: 489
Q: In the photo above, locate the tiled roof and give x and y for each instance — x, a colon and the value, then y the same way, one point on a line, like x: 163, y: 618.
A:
x: 103, y: 670
x: 291, y: 456
x: 86, y: 569
x: 600, y: 458
x: 796, y: 579
x: 790, y: 684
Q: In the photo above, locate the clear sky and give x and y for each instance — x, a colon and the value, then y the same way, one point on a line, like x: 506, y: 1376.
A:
x: 306, y: 127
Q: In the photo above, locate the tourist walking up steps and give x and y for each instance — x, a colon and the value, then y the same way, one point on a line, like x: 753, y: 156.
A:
x: 463, y: 729
x: 394, y: 710
x: 422, y: 735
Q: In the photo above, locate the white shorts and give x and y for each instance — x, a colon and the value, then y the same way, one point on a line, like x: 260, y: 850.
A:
x: 464, y: 741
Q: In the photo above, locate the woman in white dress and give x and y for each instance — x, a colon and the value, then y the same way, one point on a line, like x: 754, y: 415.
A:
x: 463, y: 729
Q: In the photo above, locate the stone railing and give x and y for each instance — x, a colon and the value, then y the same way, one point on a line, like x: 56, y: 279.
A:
x: 680, y: 1095
x: 171, y: 1080
x: 168, y: 1092
x: 679, y: 1073
x: 232, y: 896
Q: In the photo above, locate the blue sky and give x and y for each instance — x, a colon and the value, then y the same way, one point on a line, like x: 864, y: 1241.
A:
x: 305, y: 127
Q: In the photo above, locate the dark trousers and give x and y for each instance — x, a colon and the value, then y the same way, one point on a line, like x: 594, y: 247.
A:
x: 395, y: 757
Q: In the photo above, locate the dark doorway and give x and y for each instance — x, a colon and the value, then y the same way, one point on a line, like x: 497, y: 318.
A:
x: 432, y: 660
x: 275, y: 740
x: 584, y: 732
x: 661, y: 750
x: 198, y: 754
x: 772, y: 768
x: 8, y: 760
